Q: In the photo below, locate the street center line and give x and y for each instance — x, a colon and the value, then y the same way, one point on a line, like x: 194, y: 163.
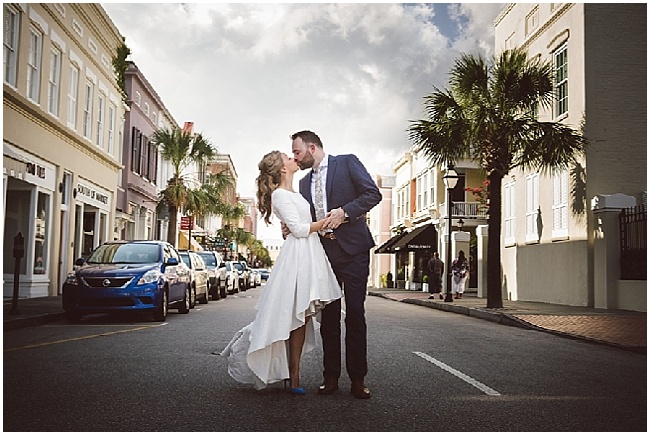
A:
x: 473, y: 382
x: 31, y: 346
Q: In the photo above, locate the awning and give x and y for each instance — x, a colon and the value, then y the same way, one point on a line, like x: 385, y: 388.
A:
x: 424, y: 237
x: 386, y: 247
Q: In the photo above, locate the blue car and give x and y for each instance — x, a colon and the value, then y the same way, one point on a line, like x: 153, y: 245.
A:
x: 128, y: 276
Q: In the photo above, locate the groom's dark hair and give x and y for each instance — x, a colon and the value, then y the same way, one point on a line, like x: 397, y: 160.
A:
x: 308, y: 137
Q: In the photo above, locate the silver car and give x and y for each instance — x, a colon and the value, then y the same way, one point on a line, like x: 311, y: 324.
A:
x: 198, y: 277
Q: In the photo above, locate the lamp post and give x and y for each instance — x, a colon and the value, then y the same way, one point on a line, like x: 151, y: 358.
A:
x: 450, y: 179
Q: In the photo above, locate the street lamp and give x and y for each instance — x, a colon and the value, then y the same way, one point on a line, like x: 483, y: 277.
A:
x: 450, y: 179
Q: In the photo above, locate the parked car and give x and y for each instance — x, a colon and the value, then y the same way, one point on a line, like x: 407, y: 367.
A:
x: 244, y: 275
x: 233, y: 276
x: 198, y: 277
x: 256, y: 277
x: 217, y: 274
x: 128, y: 276
x: 264, y: 274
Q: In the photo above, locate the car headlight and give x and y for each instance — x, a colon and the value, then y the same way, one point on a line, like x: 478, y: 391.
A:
x: 71, y: 278
x: 149, y: 277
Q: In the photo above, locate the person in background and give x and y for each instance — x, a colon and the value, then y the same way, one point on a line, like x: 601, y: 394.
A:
x: 436, y: 268
x: 460, y: 271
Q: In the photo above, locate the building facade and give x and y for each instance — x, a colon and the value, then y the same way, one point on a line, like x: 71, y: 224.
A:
x: 379, y: 221
x: 138, y: 181
x: 63, y: 118
x: 599, y: 57
x: 420, y: 218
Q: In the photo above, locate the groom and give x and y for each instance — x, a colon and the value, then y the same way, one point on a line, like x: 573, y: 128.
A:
x: 340, y: 188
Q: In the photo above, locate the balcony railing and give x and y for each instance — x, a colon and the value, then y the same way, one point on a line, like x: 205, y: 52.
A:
x: 467, y: 210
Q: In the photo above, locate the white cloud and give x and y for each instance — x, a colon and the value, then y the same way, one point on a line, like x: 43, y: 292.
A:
x: 249, y: 75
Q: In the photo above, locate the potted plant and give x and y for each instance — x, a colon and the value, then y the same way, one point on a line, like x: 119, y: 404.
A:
x: 401, y: 279
x: 425, y: 283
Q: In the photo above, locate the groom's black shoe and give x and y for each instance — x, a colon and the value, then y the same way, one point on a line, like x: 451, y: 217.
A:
x: 359, y: 390
x: 330, y: 385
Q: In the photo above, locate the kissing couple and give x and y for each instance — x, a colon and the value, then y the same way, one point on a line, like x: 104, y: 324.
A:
x: 325, y: 257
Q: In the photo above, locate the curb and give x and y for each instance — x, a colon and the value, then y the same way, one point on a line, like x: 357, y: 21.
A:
x: 506, y: 319
x: 13, y: 324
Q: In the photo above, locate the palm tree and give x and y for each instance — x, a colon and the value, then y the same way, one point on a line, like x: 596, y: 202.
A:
x: 181, y: 148
x: 489, y: 113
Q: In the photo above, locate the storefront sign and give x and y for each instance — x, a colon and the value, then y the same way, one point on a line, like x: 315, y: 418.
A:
x: 93, y: 195
x: 28, y: 167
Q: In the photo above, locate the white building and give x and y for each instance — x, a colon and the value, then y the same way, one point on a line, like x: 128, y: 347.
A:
x: 63, y: 118
x: 551, y: 237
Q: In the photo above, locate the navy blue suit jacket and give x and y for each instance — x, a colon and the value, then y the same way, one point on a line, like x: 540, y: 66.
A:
x: 349, y: 186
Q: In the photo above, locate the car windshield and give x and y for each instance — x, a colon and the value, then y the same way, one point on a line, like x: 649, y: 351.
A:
x: 127, y: 253
x: 185, y: 257
x: 208, y: 259
x: 238, y: 266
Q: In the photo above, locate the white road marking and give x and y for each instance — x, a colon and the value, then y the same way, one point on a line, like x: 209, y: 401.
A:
x: 473, y: 382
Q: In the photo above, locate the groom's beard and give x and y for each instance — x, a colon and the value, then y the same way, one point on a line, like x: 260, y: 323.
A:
x: 307, y: 161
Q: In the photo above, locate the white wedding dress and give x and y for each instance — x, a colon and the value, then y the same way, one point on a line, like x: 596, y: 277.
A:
x: 301, y: 283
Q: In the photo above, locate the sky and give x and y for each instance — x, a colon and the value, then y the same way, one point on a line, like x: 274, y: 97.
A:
x: 250, y: 75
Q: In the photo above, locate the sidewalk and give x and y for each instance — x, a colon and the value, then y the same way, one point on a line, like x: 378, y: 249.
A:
x: 618, y: 328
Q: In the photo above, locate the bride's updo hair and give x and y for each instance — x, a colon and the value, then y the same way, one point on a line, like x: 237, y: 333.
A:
x: 270, y: 172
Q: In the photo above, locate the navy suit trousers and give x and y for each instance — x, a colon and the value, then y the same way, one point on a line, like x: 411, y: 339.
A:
x: 352, y: 274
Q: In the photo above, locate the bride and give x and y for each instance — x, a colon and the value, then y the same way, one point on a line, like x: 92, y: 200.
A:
x: 302, y: 282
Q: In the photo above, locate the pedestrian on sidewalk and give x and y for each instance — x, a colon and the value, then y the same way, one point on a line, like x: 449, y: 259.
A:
x: 436, y: 268
x: 459, y: 270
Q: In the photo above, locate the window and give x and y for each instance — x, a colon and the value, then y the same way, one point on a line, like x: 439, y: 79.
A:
x: 560, y: 204
x: 100, y: 120
x: 425, y: 188
x: 532, y: 207
x: 88, y: 110
x: 72, y: 97
x: 111, y: 128
x: 144, y: 147
x: 154, y: 118
x: 138, y: 98
x: 509, y: 213
x: 419, y: 193
x: 532, y: 21
x: 10, y: 40
x: 152, y: 161
x: 431, y: 192
x: 40, y: 234
x: 55, y: 81
x: 34, y: 65
x: 135, y: 149
x: 146, y: 109
x: 560, y: 63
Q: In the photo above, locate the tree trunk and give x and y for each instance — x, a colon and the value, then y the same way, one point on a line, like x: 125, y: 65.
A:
x: 173, y: 225
x: 494, y: 299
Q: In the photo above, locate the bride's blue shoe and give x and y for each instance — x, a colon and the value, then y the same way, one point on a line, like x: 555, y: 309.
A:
x: 296, y: 391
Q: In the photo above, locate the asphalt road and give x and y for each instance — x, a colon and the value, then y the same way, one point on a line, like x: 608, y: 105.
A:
x: 429, y: 371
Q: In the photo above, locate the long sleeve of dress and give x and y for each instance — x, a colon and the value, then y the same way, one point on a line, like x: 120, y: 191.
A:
x: 285, y: 209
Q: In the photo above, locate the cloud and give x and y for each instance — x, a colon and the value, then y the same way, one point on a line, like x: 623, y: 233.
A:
x: 249, y: 75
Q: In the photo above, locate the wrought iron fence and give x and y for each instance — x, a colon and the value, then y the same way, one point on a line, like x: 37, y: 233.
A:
x: 634, y: 261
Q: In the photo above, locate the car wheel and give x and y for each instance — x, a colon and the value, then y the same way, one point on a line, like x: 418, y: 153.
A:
x: 215, y: 291
x: 192, y: 297
x: 74, y: 316
x: 185, y: 308
x: 206, y: 297
x: 160, y: 313
x: 223, y: 292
